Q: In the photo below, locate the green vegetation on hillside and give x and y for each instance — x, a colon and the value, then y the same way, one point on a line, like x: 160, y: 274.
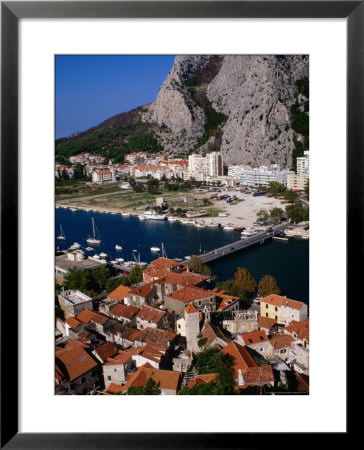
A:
x: 112, y: 142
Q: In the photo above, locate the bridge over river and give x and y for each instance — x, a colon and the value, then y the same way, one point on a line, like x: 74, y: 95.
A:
x: 241, y: 244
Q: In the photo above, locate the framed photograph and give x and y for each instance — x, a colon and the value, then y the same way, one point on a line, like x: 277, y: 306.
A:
x: 149, y: 158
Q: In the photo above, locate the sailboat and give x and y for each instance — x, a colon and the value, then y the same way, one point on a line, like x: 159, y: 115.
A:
x: 61, y: 237
x: 93, y: 240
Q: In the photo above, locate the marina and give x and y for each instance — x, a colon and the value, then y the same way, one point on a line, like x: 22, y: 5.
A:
x: 288, y: 264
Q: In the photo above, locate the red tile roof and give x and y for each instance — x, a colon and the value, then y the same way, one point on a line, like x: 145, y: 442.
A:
x: 185, y: 278
x: 266, y: 322
x: 106, y: 351
x: 87, y: 315
x: 73, y: 361
x: 189, y: 309
x: 159, y: 337
x: 72, y: 322
x: 143, y: 290
x: 225, y: 300
x: 279, y: 341
x: 188, y: 294
x: 300, y: 328
x: 243, y: 359
x: 254, y: 337
x: 150, y: 314
x: 202, y: 379
x: 123, y: 311
x: 258, y: 375
x: 168, y: 379
x: 278, y: 300
x: 119, y: 293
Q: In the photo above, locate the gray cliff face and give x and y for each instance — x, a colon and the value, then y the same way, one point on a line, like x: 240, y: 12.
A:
x: 254, y: 92
x: 175, y: 108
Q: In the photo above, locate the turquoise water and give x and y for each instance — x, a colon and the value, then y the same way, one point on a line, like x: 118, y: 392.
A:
x: 287, y: 261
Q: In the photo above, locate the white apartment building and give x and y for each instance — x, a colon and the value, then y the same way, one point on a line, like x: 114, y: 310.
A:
x: 103, y: 176
x: 215, y: 164
x: 259, y: 176
x: 210, y: 165
x: 303, y: 164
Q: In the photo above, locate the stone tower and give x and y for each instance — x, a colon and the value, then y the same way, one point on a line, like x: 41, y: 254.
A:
x: 192, y: 318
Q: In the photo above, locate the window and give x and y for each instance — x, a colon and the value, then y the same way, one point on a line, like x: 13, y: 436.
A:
x: 83, y: 379
x: 283, y: 350
x: 266, y: 314
x: 266, y: 306
x: 276, y: 317
x: 276, y: 309
x: 114, y: 370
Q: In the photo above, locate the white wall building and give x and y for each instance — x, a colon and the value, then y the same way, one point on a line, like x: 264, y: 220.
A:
x: 303, y: 164
x: 262, y: 175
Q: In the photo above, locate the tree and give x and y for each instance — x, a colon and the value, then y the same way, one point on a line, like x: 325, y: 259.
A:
x: 231, y: 288
x: 138, y: 188
x: 197, y: 266
x: 297, y: 212
x: 211, y: 360
x: 101, y: 276
x: 263, y: 215
x: 79, y: 280
x: 135, y: 275
x: 276, y: 214
x: 290, y: 196
x: 153, y: 185
x: 276, y: 188
x: 268, y: 285
x: 245, y: 280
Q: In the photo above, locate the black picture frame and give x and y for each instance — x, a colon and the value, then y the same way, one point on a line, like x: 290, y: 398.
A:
x: 11, y: 12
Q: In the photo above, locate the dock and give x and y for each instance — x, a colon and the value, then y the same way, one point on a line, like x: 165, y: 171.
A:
x: 242, y: 244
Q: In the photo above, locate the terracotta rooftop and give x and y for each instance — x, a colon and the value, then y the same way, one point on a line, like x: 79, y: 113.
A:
x: 124, y: 311
x: 150, y: 314
x: 121, y: 357
x: 119, y: 293
x: 143, y: 290
x: 266, y: 322
x: 123, y: 331
x: 212, y: 332
x: 185, y: 278
x: 106, y: 351
x: 254, y: 337
x: 190, y: 309
x: 258, y: 375
x: 278, y: 300
x: 279, y: 341
x: 243, y: 359
x: 159, y: 337
x: 188, y: 294
x: 225, y: 300
x: 168, y: 379
x: 88, y: 315
x: 165, y: 263
x: 72, y: 322
x: 73, y: 361
x: 300, y: 328
x: 206, y: 378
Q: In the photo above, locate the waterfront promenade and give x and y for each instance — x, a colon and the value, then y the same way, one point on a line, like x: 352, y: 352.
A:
x: 241, y: 244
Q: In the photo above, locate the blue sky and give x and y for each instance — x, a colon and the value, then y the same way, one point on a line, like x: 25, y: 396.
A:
x: 90, y: 89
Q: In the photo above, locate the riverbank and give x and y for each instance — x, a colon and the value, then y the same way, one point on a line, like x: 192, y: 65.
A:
x: 242, y: 212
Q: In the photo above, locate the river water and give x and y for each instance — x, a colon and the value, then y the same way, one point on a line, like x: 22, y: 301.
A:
x: 287, y: 261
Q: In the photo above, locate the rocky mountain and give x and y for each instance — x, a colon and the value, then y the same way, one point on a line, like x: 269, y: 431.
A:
x: 255, y: 109
x: 262, y: 102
